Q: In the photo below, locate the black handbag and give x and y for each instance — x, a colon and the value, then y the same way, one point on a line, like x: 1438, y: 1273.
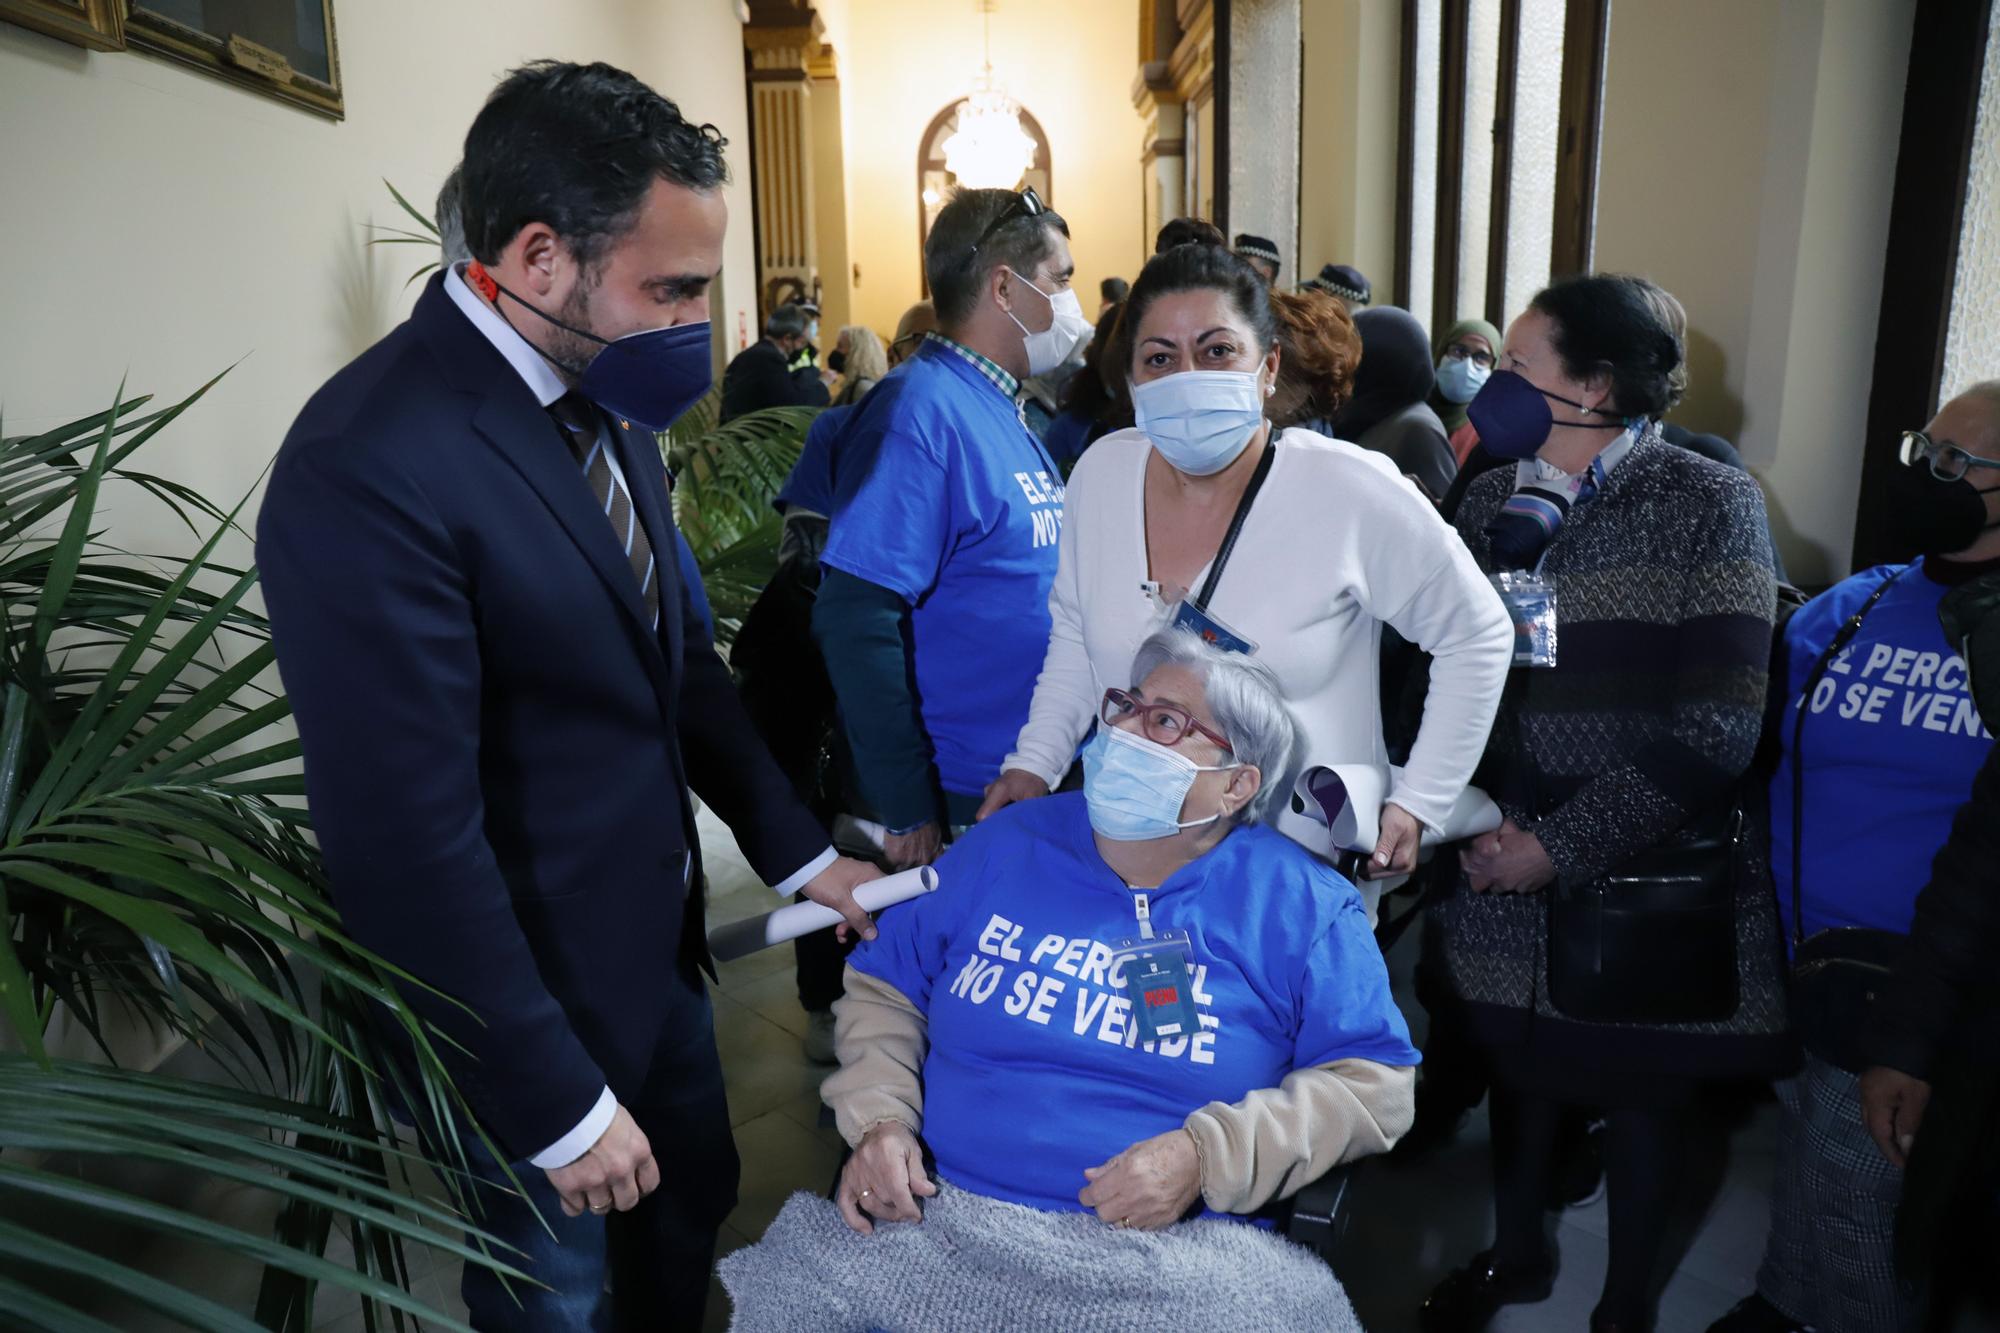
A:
x: 1653, y: 941
x: 1836, y: 973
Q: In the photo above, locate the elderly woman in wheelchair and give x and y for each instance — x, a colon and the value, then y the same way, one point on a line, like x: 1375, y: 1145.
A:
x: 1129, y: 1019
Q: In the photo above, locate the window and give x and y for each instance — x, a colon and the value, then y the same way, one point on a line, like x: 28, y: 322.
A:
x: 1499, y: 151
x: 935, y: 181
x: 1975, y: 290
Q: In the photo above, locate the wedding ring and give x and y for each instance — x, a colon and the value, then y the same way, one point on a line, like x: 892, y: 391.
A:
x: 600, y: 1209
x: 866, y: 1193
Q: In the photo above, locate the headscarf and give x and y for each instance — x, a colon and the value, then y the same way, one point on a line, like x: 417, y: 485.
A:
x: 1453, y: 414
x: 1395, y: 372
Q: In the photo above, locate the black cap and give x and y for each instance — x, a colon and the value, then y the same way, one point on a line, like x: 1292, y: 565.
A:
x: 1257, y: 247
x: 1343, y: 280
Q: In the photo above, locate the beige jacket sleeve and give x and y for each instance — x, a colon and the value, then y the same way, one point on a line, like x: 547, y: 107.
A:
x: 1276, y: 1141
x: 881, y: 1041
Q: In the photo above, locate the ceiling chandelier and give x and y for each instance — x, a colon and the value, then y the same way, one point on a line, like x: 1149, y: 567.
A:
x: 989, y: 150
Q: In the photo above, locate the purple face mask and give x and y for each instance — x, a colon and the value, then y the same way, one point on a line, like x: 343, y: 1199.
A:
x: 1513, y: 418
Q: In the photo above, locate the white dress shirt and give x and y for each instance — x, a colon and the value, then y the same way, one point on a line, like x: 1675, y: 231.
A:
x: 547, y: 387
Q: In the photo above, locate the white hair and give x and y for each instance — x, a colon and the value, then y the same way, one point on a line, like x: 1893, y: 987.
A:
x: 1249, y: 709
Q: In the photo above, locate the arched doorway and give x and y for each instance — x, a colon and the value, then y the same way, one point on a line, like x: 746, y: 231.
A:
x: 935, y: 181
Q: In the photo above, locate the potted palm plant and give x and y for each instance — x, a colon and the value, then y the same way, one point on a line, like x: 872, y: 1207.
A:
x: 157, y: 867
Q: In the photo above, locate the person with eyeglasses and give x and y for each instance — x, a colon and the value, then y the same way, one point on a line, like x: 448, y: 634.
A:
x: 1881, y: 741
x: 933, y: 610
x: 1124, y: 1007
x: 1466, y: 355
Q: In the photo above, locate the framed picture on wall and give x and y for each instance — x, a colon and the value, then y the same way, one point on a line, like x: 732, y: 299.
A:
x: 281, y: 48
x: 97, y: 24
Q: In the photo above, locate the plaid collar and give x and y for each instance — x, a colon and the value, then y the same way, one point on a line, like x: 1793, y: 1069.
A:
x: 998, y: 376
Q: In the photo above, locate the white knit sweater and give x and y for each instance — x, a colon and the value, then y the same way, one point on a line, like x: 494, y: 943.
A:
x: 1337, y: 543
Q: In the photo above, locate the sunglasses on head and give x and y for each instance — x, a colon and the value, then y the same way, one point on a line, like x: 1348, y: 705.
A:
x: 1026, y: 204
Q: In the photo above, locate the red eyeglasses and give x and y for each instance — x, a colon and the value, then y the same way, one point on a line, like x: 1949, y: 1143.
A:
x: 1163, y: 724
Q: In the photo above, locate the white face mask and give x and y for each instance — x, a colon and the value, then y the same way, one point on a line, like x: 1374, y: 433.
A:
x: 1200, y: 421
x: 1066, y: 331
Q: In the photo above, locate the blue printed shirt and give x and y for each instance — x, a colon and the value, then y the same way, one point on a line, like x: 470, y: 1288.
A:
x: 809, y: 486
x: 942, y: 496
x: 1891, y: 744
x: 1035, y: 1071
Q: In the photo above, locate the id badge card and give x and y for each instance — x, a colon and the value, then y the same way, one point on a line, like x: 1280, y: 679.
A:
x: 1158, y: 985
x: 1190, y: 617
x: 1531, y: 604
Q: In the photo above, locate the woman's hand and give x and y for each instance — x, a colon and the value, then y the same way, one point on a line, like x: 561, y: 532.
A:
x: 1013, y: 785
x: 1507, y: 860
x: 1148, y: 1186
x: 1396, y: 845
x: 884, y: 1179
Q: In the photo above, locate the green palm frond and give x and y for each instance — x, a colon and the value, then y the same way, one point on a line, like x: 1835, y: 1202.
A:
x: 726, y: 478
x: 155, y: 855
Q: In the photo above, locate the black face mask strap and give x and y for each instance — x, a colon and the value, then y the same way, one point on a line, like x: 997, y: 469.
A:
x: 543, y: 314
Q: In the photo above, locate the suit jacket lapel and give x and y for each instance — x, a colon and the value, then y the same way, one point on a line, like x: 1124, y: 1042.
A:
x: 646, y: 478
x: 533, y: 444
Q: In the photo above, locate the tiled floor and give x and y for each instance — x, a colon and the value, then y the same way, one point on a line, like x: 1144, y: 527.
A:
x: 1411, y: 1224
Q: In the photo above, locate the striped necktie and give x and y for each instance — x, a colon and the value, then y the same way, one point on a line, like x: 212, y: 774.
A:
x: 589, y: 444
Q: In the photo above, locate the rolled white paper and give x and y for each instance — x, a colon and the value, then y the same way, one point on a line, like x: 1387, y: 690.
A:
x: 1347, y: 800
x: 788, y: 923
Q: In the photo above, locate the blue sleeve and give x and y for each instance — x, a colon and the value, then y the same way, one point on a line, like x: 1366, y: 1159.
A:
x: 892, y: 509
x: 1345, y: 1010
x: 913, y: 939
x: 691, y: 578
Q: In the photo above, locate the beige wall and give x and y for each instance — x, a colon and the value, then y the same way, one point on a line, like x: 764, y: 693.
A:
x: 1747, y: 160
x: 1069, y: 63
x: 1352, y: 86
x: 164, y: 224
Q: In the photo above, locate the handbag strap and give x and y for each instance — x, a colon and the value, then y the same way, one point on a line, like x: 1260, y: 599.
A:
x: 1841, y: 638
x: 1262, y: 471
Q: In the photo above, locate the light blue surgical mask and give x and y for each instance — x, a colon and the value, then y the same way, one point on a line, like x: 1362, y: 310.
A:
x: 1135, y: 787
x: 1459, y: 378
x: 1201, y: 421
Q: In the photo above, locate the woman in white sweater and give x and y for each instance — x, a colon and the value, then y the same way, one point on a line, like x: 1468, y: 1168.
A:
x: 1332, y: 545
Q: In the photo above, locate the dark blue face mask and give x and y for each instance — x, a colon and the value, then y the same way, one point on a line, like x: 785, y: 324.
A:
x: 648, y: 378
x: 1513, y: 418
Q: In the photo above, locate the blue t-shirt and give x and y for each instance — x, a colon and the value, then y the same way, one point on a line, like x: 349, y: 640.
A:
x: 1891, y: 746
x: 810, y: 485
x: 1034, y: 1071
x: 942, y: 496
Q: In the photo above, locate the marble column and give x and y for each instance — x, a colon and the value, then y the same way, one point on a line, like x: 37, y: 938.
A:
x: 1259, y: 90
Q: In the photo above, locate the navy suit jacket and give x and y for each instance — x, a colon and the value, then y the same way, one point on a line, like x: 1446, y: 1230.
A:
x: 498, y: 749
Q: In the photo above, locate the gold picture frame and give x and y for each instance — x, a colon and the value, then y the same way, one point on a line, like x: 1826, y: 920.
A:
x: 253, y: 43
x: 97, y: 24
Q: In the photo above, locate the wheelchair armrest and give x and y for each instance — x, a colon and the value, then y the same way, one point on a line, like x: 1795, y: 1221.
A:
x: 1320, y: 1212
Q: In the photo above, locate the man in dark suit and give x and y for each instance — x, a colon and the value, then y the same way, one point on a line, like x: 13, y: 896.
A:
x: 762, y: 374
x: 504, y: 699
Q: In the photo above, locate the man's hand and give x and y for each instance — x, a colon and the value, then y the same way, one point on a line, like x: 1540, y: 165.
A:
x: 1150, y: 1185
x: 1892, y: 1106
x: 884, y: 1179
x: 1508, y: 860
x: 1396, y: 846
x: 1013, y: 785
x: 834, y: 887
x: 919, y: 847
x: 617, y: 1172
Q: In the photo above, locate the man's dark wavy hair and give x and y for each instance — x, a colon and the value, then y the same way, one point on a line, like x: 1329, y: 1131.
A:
x: 576, y: 147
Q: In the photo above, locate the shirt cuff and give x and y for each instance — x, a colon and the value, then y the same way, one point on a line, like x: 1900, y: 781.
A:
x: 579, y: 1140
x: 807, y: 873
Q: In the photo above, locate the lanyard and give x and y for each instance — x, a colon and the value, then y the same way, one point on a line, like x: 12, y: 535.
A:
x: 1236, y: 525
x: 1142, y: 907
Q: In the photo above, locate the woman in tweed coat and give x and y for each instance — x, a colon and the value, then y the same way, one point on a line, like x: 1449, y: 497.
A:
x: 1662, y: 566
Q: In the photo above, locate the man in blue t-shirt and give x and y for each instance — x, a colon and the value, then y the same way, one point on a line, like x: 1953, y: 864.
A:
x: 932, y: 612
x: 1881, y: 757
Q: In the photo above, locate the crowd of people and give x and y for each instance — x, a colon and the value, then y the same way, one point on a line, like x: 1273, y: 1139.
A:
x: 1088, y: 611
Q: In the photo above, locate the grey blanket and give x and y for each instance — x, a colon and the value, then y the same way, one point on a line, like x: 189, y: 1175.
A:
x: 976, y: 1264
